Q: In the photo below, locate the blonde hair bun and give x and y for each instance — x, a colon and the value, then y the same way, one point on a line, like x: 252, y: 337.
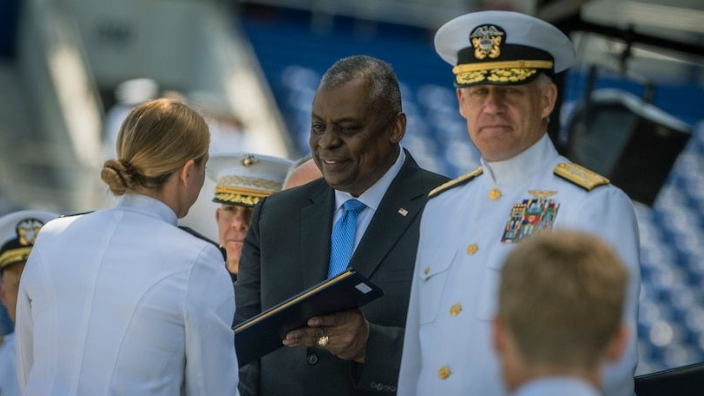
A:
x: 117, y: 176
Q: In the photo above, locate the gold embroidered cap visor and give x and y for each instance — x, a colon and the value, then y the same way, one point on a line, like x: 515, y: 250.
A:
x: 502, y: 48
x: 239, y: 197
x: 243, y: 179
x: 18, y: 232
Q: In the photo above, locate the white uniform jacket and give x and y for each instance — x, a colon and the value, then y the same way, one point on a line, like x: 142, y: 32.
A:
x: 122, y: 302
x: 8, y: 367
x: 448, y: 345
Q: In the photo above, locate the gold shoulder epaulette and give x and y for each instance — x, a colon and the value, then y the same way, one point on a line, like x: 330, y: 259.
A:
x: 456, y: 182
x: 580, y: 176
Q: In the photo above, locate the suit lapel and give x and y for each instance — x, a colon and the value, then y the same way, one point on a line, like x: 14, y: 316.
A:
x: 405, y: 195
x: 316, y: 227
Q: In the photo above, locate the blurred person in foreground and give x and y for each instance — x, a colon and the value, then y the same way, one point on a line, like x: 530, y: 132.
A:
x: 301, y: 172
x: 18, y: 232
x: 559, y: 316
x: 362, y: 214
x: 503, y: 63
x: 121, y: 301
x: 241, y: 181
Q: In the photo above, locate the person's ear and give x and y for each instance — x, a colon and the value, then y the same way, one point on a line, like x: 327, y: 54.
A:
x: 186, y: 171
x: 548, y: 97
x: 217, y: 215
x: 618, y: 344
x: 3, y: 294
x: 398, y: 129
x: 460, y: 99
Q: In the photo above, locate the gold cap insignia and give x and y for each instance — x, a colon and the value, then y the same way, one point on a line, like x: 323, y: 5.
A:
x: 249, y: 160
x: 27, y: 231
x: 486, y: 41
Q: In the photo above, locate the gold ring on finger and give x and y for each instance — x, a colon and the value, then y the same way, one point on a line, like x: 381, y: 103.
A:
x: 323, y: 341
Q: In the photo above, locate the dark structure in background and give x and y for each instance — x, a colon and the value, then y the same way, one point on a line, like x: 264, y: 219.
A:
x: 9, y: 12
x: 681, y: 381
x: 627, y: 140
x: 623, y: 138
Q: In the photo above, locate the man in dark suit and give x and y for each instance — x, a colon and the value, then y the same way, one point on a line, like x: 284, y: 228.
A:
x: 356, y: 127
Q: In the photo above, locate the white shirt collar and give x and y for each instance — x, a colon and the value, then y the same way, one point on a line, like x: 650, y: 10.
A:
x: 518, y: 167
x: 147, y: 206
x: 372, y: 197
x: 557, y: 386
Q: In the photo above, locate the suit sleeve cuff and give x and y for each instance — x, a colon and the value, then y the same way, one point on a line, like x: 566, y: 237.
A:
x: 380, y: 371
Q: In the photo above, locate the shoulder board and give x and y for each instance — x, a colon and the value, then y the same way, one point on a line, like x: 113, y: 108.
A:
x: 205, y: 238
x: 456, y: 182
x: 76, y: 214
x: 580, y: 176
x: 1, y: 340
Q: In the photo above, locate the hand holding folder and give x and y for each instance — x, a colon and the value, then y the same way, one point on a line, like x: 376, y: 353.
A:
x: 344, y: 334
x: 262, y: 334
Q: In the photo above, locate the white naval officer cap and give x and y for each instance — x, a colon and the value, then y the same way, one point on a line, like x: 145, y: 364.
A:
x: 18, y: 232
x: 502, y: 48
x: 243, y: 179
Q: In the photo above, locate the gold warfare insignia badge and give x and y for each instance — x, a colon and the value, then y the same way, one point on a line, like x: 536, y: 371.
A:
x: 486, y: 41
x: 27, y: 231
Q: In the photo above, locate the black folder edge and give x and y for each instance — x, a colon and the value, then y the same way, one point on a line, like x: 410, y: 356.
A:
x: 300, y: 297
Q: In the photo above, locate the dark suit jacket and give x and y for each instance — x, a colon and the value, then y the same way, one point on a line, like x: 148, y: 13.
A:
x: 287, y: 250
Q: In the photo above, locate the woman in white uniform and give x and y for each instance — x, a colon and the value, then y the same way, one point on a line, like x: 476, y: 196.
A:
x: 121, y: 301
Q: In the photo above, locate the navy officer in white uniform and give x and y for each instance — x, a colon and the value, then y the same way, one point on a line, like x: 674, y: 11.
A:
x: 241, y: 181
x: 121, y: 301
x: 18, y: 232
x: 503, y: 63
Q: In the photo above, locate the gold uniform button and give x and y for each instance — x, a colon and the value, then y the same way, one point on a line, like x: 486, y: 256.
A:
x: 494, y: 194
x: 455, y: 309
x: 426, y: 270
x: 472, y: 248
x: 444, y: 372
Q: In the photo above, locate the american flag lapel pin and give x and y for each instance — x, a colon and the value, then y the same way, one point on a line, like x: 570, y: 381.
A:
x: 403, y: 212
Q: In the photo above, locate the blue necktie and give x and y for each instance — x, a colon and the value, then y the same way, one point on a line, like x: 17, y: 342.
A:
x: 343, y: 233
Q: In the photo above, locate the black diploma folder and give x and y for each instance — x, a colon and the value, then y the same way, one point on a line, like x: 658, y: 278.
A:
x: 262, y: 334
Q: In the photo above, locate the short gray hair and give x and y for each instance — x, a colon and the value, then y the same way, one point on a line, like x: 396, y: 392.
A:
x: 384, y: 92
x: 544, y: 79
